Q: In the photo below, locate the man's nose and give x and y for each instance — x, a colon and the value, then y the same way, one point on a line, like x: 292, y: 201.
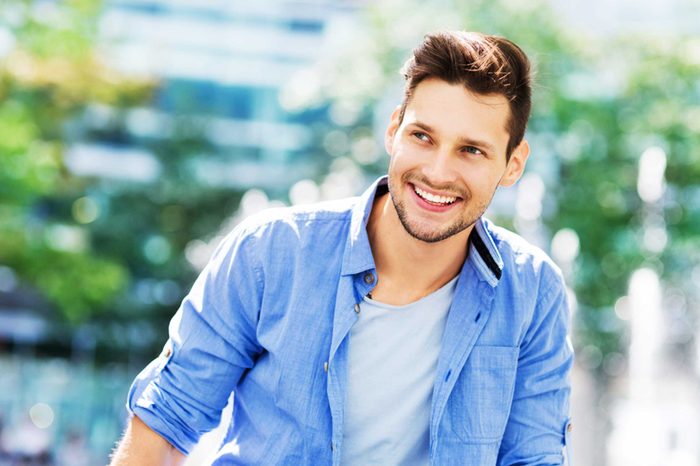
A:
x: 440, y: 169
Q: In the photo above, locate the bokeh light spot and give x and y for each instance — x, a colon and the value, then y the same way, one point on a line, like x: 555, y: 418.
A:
x: 304, y: 192
x: 41, y: 415
x: 565, y: 245
x: 85, y: 210
x: 157, y: 249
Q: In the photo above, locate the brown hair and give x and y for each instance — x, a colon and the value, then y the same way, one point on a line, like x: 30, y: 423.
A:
x: 484, y: 64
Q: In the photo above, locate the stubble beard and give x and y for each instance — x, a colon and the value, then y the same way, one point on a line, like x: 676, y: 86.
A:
x: 434, y: 236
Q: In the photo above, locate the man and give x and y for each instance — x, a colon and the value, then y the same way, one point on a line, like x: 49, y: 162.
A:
x: 399, y: 327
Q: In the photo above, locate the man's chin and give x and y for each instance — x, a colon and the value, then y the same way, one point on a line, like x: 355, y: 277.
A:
x: 426, y: 235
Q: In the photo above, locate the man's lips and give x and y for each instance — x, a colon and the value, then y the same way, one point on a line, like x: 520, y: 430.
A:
x: 432, y: 201
x: 434, y: 197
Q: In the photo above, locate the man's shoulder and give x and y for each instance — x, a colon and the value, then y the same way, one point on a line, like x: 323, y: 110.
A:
x: 520, y: 257
x: 299, y: 218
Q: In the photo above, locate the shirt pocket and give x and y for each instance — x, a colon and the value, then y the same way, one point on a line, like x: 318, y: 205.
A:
x: 482, y: 396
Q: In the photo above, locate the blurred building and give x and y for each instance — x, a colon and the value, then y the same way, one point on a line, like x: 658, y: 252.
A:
x: 223, y: 65
x: 651, y: 16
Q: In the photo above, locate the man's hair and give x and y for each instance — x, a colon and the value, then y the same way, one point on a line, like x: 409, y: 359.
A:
x: 484, y: 64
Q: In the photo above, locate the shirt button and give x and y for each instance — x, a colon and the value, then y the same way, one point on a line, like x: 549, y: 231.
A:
x: 570, y: 427
x: 325, y: 366
x: 357, y: 308
x: 369, y: 278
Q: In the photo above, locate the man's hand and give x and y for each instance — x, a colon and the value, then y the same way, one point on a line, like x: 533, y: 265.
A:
x: 142, y: 446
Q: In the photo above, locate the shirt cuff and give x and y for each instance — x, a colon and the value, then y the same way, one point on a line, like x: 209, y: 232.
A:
x: 146, y: 401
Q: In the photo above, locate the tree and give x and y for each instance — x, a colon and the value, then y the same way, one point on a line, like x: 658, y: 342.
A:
x: 49, y: 75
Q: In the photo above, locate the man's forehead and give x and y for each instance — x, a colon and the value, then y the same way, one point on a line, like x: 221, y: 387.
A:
x: 451, y: 107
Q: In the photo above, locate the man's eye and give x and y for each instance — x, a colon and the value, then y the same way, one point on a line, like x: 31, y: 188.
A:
x: 473, y: 150
x: 422, y: 136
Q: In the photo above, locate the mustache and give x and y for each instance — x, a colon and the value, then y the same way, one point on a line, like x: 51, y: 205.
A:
x: 445, y: 187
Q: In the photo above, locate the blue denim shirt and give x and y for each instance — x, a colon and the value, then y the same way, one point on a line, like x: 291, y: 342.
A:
x: 268, y: 320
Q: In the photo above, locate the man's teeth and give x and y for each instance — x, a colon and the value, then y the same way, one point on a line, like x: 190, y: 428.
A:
x: 432, y: 198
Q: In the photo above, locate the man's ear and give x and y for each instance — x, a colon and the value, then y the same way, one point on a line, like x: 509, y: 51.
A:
x: 391, y: 130
x: 516, y: 164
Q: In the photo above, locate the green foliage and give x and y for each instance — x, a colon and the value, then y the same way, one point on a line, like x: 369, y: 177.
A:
x: 96, y: 249
x: 59, y: 274
x: 648, y: 105
x: 49, y: 77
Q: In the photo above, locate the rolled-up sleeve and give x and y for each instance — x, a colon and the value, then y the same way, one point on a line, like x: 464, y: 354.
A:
x: 535, y: 433
x: 212, y: 341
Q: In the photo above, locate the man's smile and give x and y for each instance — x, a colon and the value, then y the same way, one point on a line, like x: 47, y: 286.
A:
x: 433, y: 201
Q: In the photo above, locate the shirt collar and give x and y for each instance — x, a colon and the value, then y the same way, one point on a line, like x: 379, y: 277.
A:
x: 357, y: 258
x: 358, y: 254
x: 484, y: 254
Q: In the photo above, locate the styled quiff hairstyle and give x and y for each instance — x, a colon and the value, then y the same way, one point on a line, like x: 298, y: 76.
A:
x: 484, y: 64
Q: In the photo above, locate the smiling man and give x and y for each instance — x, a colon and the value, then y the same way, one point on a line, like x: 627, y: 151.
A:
x: 396, y: 328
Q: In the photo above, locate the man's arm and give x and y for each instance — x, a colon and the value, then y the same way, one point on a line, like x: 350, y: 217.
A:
x: 212, y: 341
x: 141, y: 445
x: 538, y: 421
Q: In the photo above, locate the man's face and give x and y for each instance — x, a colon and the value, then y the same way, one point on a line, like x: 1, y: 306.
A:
x: 448, y: 156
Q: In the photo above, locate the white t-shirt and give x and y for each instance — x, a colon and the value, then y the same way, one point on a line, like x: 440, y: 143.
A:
x: 393, y: 354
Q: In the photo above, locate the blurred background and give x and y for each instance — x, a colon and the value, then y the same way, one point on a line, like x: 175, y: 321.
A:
x: 135, y: 133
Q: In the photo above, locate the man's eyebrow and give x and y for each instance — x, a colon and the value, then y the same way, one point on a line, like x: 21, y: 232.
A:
x: 463, y: 140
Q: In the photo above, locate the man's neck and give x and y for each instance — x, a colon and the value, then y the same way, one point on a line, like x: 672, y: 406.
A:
x: 407, y: 268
